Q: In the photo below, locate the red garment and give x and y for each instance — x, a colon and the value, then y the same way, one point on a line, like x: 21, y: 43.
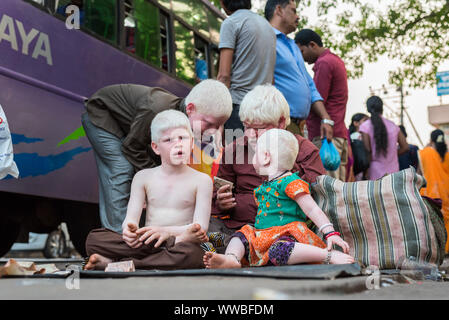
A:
x: 331, y: 82
x: 245, y: 178
x: 260, y: 241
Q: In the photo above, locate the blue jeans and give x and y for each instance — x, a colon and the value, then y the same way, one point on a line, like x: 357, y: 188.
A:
x: 115, y: 175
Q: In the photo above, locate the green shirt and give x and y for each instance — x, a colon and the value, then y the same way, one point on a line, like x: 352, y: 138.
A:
x: 276, y: 201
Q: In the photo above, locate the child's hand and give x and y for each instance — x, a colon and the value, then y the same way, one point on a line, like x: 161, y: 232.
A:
x: 339, y: 242
x: 225, y: 201
x: 130, y: 236
x: 149, y: 234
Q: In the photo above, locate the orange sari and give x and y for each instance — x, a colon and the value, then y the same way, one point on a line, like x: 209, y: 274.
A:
x: 436, y: 173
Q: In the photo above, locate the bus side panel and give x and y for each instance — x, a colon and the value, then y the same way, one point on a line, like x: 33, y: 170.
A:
x: 43, y: 85
x: 49, y: 164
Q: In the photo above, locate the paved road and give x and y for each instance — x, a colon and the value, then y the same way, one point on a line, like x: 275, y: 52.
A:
x: 215, y: 288
x: 219, y: 287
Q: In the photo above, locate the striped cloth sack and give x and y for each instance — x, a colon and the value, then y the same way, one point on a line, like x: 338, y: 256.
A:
x: 383, y: 221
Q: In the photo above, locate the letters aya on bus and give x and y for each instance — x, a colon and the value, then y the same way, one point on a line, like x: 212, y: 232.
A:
x: 13, y: 31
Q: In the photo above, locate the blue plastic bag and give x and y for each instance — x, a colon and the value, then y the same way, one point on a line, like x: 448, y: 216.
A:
x: 329, y: 155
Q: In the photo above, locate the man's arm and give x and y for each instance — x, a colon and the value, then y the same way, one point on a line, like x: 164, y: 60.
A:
x: 323, y: 79
x: 224, y: 69
x: 320, y: 110
x: 228, y: 40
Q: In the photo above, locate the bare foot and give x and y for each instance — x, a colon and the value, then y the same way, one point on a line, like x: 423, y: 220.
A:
x: 341, y: 258
x: 97, y: 262
x: 193, y: 234
x: 220, y: 261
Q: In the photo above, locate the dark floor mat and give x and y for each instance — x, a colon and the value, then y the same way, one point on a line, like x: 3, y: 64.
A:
x: 284, y: 272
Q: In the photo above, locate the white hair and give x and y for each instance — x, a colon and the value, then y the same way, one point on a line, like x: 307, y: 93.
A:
x: 282, y: 146
x: 264, y: 104
x: 166, y: 120
x: 211, y: 97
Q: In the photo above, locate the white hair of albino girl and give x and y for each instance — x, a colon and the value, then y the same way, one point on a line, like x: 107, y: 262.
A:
x: 282, y: 146
x: 211, y: 97
x: 264, y: 104
x: 169, y: 119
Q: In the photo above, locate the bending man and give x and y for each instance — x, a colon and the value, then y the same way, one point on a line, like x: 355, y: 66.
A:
x: 117, y: 124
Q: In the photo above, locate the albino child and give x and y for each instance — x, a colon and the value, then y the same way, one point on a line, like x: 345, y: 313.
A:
x: 280, y: 235
x: 178, y: 202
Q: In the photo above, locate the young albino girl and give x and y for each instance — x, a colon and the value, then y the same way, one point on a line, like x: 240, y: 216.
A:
x: 280, y: 235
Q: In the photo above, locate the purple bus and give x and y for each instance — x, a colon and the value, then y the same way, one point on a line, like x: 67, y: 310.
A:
x: 54, y: 54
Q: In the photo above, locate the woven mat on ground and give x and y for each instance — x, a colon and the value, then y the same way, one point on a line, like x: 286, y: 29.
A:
x: 284, y: 272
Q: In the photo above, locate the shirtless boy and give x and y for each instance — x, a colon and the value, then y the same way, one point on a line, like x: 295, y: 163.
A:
x: 178, y: 202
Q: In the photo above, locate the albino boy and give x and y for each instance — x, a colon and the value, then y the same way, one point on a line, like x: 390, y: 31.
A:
x: 178, y: 201
x: 280, y: 235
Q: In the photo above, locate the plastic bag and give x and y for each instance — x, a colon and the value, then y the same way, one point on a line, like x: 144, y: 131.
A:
x: 329, y: 155
x: 361, y: 157
x: 7, y: 164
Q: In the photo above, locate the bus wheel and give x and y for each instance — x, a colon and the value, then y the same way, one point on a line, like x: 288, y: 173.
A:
x: 9, y: 231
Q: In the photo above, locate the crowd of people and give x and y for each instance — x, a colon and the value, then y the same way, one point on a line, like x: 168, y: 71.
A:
x: 144, y: 140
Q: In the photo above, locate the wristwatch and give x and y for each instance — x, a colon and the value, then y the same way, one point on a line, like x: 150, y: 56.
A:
x: 328, y: 121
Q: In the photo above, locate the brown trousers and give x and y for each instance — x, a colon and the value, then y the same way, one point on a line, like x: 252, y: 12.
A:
x: 169, y: 256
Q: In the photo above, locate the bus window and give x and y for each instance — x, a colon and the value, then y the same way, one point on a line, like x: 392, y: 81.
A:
x: 165, y: 44
x: 201, y: 66
x: 101, y: 18
x: 146, y: 31
x: 185, y: 53
x: 129, y: 25
x: 194, y: 13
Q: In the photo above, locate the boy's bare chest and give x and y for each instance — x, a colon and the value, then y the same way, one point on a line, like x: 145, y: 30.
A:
x: 171, y: 194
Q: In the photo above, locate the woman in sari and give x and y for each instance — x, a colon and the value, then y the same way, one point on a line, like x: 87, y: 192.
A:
x: 434, y: 160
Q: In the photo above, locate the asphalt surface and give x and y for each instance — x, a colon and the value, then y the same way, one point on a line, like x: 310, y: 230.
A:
x: 216, y: 288
x: 390, y: 287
